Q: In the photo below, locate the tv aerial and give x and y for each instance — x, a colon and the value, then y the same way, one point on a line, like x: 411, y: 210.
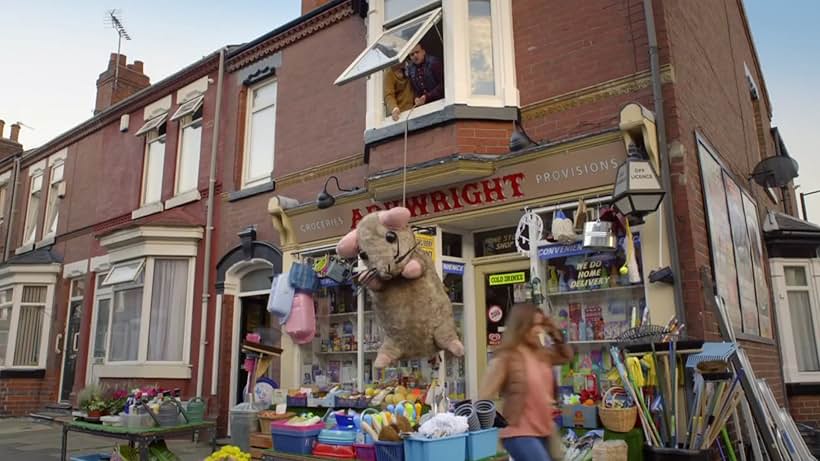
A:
x: 114, y: 19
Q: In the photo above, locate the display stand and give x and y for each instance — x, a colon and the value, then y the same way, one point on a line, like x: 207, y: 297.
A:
x: 263, y: 356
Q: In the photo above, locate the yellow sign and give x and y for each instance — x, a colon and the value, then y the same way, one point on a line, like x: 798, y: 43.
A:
x: 508, y: 278
x: 427, y: 244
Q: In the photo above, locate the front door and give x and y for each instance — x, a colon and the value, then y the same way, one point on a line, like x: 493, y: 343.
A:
x: 499, y: 286
x: 254, y: 319
x: 71, y: 347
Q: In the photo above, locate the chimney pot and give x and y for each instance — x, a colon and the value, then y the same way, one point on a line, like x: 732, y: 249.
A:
x: 123, y: 59
x: 138, y: 66
x: 15, y: 132
x: 310, y: 5
x: 2, y: 127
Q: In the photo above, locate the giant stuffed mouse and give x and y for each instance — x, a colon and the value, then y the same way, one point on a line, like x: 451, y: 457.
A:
x: 409, y: 299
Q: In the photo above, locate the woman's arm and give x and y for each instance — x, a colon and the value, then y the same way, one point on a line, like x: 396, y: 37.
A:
x: 560, y: 352
x: 493, y: 381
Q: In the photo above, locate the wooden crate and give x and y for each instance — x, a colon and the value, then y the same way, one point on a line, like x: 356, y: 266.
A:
x: 261, y: 440
x: 256, y: 453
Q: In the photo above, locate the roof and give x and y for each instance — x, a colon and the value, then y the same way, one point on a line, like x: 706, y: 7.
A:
x: 781, y: 222
x: 38, y: 256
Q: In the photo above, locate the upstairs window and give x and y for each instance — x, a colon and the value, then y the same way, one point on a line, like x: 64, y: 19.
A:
x: 471, y: 46
x: 190, y: 137
x: 56, y: 190
x: 33, y: 207
x: 260, y: 134
x: 153, y: 165
x: 4, y: 191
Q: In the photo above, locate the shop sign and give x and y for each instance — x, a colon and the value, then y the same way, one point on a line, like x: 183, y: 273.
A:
x: 495, y: 242
x: 427, y: 244
x: 452, y: 268
x: 508, y: 278
x: 558, y: 173
x: 590, y: 275
x: 561, y: 251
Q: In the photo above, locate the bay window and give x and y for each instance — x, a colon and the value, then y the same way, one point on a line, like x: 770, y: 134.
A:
x: 797, y: 284
x: 144, y: 304
x: 260, y: 134
x: 25, y: 310
x: 472, y: 39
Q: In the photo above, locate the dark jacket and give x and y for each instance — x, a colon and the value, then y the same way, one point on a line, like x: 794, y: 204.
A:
x: 427, y: 78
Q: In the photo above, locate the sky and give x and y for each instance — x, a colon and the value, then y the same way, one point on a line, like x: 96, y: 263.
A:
x: 52, y: 52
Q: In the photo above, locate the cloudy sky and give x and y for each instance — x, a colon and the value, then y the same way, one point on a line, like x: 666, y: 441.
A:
x: 53, y: 51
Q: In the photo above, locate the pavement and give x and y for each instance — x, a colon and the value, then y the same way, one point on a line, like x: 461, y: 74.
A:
x: 26, y: 439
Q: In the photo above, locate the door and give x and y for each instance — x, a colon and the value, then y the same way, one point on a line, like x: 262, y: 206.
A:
x: 254, y: 319
x: 72, y: 345
x: 498, y: 287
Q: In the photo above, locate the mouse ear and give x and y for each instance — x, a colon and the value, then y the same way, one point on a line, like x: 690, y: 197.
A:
x: 348, y: 246
x: 395, y: 218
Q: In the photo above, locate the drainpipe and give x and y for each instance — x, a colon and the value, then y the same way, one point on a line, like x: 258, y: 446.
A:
x: 206, y: 263
x: 666, y: 175
x: 15, y: 186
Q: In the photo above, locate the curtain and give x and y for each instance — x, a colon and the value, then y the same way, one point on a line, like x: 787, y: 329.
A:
x: 168, y: 299
x: 125, y: 325
x: 805, y: 342
x: 101, y: 330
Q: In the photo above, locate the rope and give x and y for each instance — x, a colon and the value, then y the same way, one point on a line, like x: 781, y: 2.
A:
x: 404, y: 164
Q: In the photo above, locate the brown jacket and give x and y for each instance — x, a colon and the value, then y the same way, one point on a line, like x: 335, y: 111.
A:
x: 397, y: 92
x: 508, y: 376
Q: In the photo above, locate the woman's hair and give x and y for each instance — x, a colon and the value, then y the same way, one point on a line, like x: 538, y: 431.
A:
x: 519, y: 322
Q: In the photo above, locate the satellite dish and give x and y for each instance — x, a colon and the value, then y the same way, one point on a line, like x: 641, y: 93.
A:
x: 777, y: 171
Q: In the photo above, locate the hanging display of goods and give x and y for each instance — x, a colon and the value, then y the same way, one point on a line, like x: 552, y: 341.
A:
x: 598, y: 235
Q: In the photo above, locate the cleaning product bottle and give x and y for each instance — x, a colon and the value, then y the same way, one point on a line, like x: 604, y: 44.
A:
x: 552, y: 283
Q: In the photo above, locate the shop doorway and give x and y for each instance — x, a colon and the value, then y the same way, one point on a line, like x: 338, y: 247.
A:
x: 498, y: 287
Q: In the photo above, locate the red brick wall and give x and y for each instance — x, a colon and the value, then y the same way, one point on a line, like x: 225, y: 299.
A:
x: 805, y: 409
x: 21, y: 396
x: 224, y: 384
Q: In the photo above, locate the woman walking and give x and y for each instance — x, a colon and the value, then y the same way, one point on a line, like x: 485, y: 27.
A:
x: 521, y: 372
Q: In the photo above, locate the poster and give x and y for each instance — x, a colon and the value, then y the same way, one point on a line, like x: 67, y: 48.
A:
x: 761, y: 284
x: 427, y: 244
x: 720, y: 236
x: 743, y: 257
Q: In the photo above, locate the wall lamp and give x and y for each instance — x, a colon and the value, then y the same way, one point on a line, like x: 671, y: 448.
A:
x: 325, y: 199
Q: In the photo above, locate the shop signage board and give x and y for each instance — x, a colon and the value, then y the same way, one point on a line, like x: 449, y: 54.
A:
x: 508, y: 278
x: 571, y: 170
x: 427, y: 244
x: 452, y: 268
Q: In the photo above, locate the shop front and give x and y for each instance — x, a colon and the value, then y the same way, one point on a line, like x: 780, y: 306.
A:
x: 470, y: 228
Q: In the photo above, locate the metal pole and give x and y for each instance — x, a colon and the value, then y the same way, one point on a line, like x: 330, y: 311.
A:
x: 803, y: 206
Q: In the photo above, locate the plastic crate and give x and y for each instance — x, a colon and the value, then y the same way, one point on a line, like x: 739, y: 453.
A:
x: 482, y: 444
x: 389, y: 451
x: 365, y: 452
x: 337, y: 437
x: 334, y: 451
x: 422, y: 449
x: 300, y: 402
x: 298, y: 440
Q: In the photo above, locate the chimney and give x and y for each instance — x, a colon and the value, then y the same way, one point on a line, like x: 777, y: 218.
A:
x: 9, y: 146
x: 15, y: 132
x: 129, y: 80
x: 310, y: 5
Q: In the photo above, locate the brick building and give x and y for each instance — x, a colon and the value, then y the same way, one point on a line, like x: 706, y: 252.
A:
x: 571, y: 85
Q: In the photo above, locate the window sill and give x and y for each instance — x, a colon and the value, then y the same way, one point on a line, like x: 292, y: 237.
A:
x: 24, y: 249
x: 252, y: 191
x: 447, y: 114
x: 47, y: 240
x: 807, y: 387
x: 147, y: 210
x: 23, y: 373
x: 182, y: 199
x: 151, y: 371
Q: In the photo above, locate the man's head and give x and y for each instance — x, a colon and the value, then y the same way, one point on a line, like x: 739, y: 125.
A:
x: 417, y: 54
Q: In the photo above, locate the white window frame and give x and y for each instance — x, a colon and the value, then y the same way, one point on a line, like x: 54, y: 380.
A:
x: 16, y: 278
x: 188, y: 120
x: 247, y: 180
x: 5, y: 178
x: 152, y: 137
x: 101, y: 293
x: 54, y: 189
x: 150, y: 243
x: 791, y: 371
x: 456, y: 61
x: 33, y: 218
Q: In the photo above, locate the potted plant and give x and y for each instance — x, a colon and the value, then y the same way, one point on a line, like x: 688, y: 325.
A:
x: 96, y: 407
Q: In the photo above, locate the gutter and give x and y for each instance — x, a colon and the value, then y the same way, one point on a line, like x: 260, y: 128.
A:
x: 666, y: 175
x: 209, y: 223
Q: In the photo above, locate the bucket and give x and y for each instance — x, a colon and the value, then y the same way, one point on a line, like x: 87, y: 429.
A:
x: 243, y: 423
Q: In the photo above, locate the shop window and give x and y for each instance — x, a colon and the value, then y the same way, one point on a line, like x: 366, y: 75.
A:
x: 451, y: 245
x: 471, y: 40
x: 33, y: 208
x: 495, y: 242
x: 190, y: 139
x: 260, y: 131
x: 153, y: 165
x: 23, y: 326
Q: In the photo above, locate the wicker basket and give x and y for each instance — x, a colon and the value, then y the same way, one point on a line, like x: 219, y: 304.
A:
x: 617, y: 419
x: 611, y: 450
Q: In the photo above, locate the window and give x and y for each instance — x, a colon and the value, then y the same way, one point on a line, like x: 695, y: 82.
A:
x: 799, y: 317
x: 33, y: 208
x: 3, y: 192
x: 141, y: 311
x: 154, y: 165
x: 472, y: 40
x: 260, y: 135
x: 54, y: 196
x: 190, y: 135
x: 23, y: 329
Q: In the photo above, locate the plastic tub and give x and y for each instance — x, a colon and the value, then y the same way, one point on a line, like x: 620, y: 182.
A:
x: 334, y: 451
x: 365, y: 452
x: 445, y: 448
x: 337, y: 437
x: 390, y: 451
x: 298, y: 440
x: 482, y: 444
